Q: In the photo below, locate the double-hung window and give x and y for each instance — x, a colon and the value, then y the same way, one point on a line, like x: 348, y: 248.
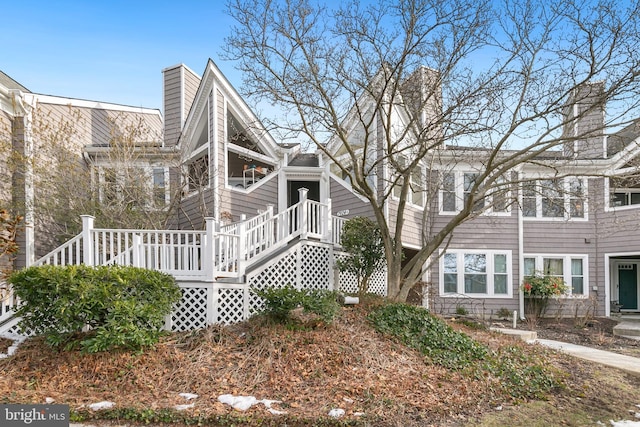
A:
x: 556, y: 198
x: 457, y: 187
x: 570, y: 268
x: 476, y: 273
x: 416, y: 192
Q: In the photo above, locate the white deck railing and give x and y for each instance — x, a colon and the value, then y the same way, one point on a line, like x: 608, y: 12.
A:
x: 217, y: 251
x: 8, y: 301
x: 69, y: 253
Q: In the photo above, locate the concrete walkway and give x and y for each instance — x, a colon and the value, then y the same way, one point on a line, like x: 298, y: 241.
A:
x: 620, y: 361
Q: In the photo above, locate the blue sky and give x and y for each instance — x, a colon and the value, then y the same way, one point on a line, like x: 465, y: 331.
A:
x: 111, y: 51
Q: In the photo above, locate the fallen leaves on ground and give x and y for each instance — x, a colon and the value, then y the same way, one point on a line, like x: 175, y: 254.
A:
x: 343, y: 365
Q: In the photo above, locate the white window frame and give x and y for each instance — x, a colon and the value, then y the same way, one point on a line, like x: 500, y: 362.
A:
x: 412, y: 186
x: 609, y: 192
x: 119, y: 182
x: 490, y: 272
x: 566, y: 196
x: 459, y: 180
x: 566, y: 274
x: 199, y: 153
x: 167, y: 185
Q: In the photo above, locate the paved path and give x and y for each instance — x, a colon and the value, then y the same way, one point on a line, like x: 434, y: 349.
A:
x: 620, y: 361
x: 626, y: 363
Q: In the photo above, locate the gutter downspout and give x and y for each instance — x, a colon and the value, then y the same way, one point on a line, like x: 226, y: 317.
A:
x: 520, y: 254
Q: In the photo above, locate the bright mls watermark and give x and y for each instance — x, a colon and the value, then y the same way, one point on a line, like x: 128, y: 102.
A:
x: 34, y: 415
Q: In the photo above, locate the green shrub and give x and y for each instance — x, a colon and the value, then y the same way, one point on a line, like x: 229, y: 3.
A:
x: 461, y: 311
x: 280, y: 302
x: 518, y: 374
x: 124, y: 307
x: 322, y: 302
x: 362, y: 240
x: 419, y: 329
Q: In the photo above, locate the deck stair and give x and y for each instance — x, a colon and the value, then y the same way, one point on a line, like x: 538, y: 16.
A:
x: 215, y: 267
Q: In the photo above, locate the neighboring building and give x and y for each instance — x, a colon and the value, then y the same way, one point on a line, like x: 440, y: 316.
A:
x: 55, y: 150
x: 582, y: 227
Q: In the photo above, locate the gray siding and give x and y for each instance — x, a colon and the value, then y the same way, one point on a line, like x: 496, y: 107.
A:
x: 238, y: 202
x: 413, y: 223
x: 481, y: 233
x: 6, y: 135
x: 82, y: 126
x: 342, y: 200
x: 172, y: 107
x: 180, y: 88
x: 193, y: 209
x: 191, y: 84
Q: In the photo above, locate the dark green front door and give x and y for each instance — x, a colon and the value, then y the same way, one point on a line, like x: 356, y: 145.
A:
x: 628, y: 280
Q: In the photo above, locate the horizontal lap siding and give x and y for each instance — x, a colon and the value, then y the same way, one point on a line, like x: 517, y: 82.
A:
x: 619, y: 231
x: 569, y: 238
x: 482, y: 233
x: 191, y: 84
x: 413, y: 223
x: 82, y: 126
x: 342, y: 200
x: 172, y: 106
x: 5, y: 150
x: 573, y: 237
x: 193, y: 209
x: 239, y: 202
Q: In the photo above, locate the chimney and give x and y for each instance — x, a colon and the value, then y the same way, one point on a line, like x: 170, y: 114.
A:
x: 180, y: 85
x: 584, y: 122
x: 422, y: 94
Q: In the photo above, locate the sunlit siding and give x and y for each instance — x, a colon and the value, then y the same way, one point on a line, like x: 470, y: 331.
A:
x: 81, y: 126
x: 343, y: 200
x: 172, y: 105
x: 191, y: 84
x: 252, y: 202
x: 5, y: 150
x: 219, y: 115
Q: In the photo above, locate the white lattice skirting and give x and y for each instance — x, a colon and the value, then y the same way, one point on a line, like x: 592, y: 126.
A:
x: 348, y: 282
x: 306, y: 265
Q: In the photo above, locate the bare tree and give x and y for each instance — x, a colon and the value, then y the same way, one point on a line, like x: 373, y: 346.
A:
x: 67, y: 173
x: 390, y: 88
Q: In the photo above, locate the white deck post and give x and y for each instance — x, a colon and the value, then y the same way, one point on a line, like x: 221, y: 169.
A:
x: 304, y: 213
x: 327, y: 223
x: 137, y: 245
x: 208, y: 249
x: 242, y: 245
x: 87, y: 241
x: 29, y: 245
x: 270, y: 236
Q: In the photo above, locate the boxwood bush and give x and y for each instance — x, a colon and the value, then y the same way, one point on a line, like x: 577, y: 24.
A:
x: 122, y: 307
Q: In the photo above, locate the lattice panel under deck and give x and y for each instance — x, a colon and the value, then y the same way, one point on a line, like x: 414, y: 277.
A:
x: 191, y: 312
x: 278, y: 275
x: 349, y: 283
x: 315, y: 267
x: 230, y: 305
x: 378, y: 282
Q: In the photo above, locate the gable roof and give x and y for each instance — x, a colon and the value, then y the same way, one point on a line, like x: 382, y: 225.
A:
x: 211, y: 78
x: 9, y: 83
